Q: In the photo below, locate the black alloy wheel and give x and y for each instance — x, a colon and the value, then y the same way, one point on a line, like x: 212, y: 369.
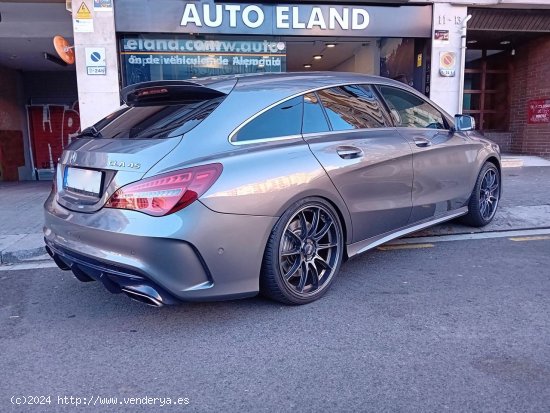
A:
x: 485, y: 197
x: 303, y: 254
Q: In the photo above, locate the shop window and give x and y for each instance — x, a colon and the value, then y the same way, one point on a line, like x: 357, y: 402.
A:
x: 486, y: 88
x: 285, y: 119
x: 352, y: 107
x: 410, y: 110
x: 314, y: 117
x: 472, y: 81
x: 147, y: 57
x: 473, y: 58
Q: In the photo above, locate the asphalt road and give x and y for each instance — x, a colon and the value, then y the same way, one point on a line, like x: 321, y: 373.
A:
x: 460, y: 326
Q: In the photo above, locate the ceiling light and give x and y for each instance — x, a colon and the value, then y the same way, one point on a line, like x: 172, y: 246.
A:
x: 318, y: 56
x: 471, y: 41
x: 307, y: 65
x: 505, y: 42
x: 331, y: 45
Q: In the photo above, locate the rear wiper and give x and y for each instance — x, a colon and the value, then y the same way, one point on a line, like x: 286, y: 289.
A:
x: 91, y: 131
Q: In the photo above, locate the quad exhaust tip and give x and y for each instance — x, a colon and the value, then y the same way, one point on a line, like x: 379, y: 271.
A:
x: 142, y: 297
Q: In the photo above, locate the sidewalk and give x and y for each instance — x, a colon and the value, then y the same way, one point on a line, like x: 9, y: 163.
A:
x: 21, y: 219
x: 525, y: 205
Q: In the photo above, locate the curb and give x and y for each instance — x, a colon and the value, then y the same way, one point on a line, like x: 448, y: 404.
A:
x: 428, y: 234
x: 23, y: 248
x: 21, y: 256
x: 511, y: 162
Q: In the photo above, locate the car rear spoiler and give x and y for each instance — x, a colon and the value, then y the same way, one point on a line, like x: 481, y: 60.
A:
x: 171, y: 91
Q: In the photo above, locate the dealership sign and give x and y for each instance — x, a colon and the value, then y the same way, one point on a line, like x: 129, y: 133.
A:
x: 286, y: 17
x: 176, y: 16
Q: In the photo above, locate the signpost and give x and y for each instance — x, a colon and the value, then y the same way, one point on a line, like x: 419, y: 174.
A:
x: 95, y: 61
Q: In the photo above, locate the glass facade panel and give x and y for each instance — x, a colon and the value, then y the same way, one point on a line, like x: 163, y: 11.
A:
x: 472, y: 81
x: 158, y: 57
x: 486, y: 88
x: 472, y: 101
x: 473, y: 59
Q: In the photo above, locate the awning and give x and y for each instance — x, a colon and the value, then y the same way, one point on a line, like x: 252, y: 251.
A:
x: 512, y: 20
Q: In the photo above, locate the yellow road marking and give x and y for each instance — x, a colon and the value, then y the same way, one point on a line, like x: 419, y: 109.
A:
x: 404, y: 247
x: 536, y: 238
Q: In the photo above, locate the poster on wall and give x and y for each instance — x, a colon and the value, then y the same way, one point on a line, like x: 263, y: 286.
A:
x: 441, y: 36
x: 83, y: 21
x: 52, y: 128
x: 103, y: 5
x: 539, y: 111
x: 145, y: 58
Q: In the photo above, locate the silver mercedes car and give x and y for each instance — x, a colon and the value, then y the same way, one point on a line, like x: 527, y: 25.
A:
x: 220, y: 188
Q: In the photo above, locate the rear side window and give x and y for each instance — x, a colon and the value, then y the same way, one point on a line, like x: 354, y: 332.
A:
x: 411, y: 111
x: 285, y: 119
x: 155, y: 121
x: 315, y: 120
x: 352, y: 107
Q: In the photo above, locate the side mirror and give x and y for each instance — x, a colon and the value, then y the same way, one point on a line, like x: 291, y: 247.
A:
x: 464, y: 123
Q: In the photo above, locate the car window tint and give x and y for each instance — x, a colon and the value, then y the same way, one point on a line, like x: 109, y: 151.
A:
x: 410, y: 110
x: 314, y: 118
x: 352, y: 107
x: 155, y: 121
x: 285, y: 119
x: 369, y: 106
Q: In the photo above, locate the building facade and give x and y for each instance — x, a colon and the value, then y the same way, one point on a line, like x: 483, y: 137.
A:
x: 489, y: 59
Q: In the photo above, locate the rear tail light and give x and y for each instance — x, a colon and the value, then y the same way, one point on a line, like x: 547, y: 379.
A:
x: 167, y: 193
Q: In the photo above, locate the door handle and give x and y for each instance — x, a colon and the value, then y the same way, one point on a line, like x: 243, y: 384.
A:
x: 349, y: 152
x: 421, y: 142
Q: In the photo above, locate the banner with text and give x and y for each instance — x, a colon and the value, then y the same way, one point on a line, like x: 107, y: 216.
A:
x: 145, y: 58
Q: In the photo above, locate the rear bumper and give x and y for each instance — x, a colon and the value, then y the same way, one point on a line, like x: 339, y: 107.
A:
x: 193, y: 255
x: 116, y: 280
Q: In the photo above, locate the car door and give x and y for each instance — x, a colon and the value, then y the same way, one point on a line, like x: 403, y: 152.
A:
x: 370, y: 164
x: 441, y: 160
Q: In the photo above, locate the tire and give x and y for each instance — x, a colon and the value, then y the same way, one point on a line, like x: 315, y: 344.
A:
x: 485, y: 197
x: 292, y: 252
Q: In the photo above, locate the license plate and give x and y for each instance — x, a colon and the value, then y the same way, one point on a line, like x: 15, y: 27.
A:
x: 84, y: 181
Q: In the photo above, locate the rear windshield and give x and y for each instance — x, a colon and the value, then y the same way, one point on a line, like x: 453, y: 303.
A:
x: 153, y: 122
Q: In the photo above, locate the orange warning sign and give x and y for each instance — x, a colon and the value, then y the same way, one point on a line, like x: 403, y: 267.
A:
x: 83, y: 12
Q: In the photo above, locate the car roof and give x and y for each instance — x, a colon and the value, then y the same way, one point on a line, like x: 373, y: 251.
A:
x: 294, y: 82
x: 278, y: 85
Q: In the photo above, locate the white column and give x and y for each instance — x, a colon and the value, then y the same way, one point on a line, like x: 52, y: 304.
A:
x: 367, y: 58
x: 445, y: 90
x: 98, y: 95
